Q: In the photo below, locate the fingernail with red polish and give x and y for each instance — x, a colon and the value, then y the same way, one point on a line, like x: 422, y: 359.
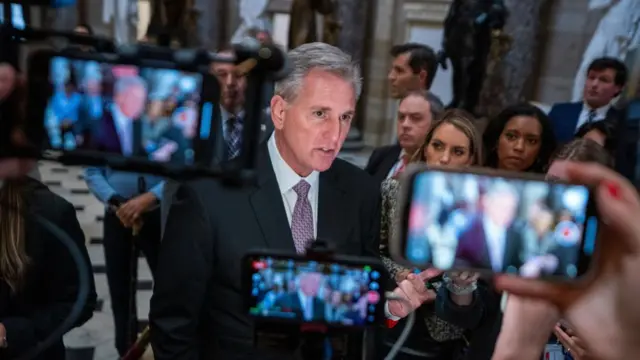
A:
x: 613, y: 189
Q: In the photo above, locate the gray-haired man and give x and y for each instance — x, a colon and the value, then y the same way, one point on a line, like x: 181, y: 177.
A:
x: 303, y: 192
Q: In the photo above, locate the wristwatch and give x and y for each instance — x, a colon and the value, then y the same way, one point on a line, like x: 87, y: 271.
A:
x: 457, y: 289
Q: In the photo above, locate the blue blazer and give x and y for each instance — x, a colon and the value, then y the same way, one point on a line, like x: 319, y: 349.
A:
x: 564, y: 119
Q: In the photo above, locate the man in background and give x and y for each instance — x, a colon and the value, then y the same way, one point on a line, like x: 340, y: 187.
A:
x: 415, y: 115
x: 606, y: 77
x: 305, y: 302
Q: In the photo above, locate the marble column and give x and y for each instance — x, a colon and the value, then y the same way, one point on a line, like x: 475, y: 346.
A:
x: 510, y: 78
x: 353, y: 16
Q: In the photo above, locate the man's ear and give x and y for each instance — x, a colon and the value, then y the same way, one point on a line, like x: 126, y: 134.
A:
x: 278, y: 107
x: 423, y: 77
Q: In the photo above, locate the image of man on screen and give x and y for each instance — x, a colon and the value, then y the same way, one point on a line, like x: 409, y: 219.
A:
x: 305, y: 302
x: 120, y: 130
x: 493, y: 240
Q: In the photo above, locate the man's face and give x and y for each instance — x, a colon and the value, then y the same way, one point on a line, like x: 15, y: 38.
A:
x: 414, y: 120
x: 312, y: 127
x: 310, y: 284
x: 402, y: 78
x: 501, y: 208
x: 131, y: 101
x: 600, y: 87
x: 232, y: 84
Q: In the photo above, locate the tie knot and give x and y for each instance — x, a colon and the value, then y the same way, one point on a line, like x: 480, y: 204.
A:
x: 302, y: 188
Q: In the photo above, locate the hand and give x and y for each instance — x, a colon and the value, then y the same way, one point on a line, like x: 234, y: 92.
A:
x: 572, y: 343
x: 3, y: 335
x: 516, y: 341
x: 131, y: 210
x: 402, y: 275
x: 603, y: 306
x: 414, y: 292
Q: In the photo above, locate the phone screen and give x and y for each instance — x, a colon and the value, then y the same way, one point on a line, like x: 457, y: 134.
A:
x: 142, y: 112
x: 528, y: 227
x: 315, y: 292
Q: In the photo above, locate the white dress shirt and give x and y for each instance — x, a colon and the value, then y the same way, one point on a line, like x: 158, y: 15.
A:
x: 600, y: 114
x: 124, y: 127
x: 307, y: 306
x: 397, y: 165
x: 287, y: 179
x: 496, y: 243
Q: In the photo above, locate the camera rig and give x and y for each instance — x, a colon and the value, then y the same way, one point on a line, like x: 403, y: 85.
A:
x: 258, y: 62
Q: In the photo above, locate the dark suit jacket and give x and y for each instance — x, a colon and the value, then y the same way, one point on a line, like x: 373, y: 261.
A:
x: 197, y: 309
x: 628, y: 145
x: 472, y: 247
x: 381, y: 161
x: 564, y: 119
x: 291, y: 303
x: 51, y: 284
x: 108, y: 139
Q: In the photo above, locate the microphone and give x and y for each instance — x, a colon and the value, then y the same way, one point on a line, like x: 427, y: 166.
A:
x: 251, y: 54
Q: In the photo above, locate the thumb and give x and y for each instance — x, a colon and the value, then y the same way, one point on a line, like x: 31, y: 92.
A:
x: 429, y: 274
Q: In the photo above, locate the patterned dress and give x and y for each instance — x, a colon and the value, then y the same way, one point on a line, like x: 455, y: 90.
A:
x: 439, y: 329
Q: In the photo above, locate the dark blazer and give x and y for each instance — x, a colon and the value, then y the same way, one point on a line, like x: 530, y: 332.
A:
x: 472, y: 247
x: 627, y: 161
x: 381, y: 161
x: 291, y: 303
x: 108, y: 139
x: 197, y: 308
x: 51, y: 285
x: 564, y: 119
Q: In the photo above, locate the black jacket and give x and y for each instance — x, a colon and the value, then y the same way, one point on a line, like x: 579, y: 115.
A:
x: 382, y: 161
x: 51, y: 284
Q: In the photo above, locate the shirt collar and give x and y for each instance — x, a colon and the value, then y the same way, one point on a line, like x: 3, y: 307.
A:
x: 287, y: 178
x: 118, y: 116
x: 226, y: 115
x: 600, y: 112
x: 493, y: 230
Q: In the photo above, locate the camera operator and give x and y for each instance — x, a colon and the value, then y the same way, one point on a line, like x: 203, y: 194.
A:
x: 38, y: 280
x: 303, y: 192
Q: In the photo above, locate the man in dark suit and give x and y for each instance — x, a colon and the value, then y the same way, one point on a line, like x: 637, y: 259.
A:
x: 120, y: 130
x: 415, y: 114
x: 493, y: 240
x: 305, y: 302
x: 606, y: 77
x: 302, y: 192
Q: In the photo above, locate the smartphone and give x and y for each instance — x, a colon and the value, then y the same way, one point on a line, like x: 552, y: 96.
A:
x: 495, y: 222
x: 337, y: 292
x: 140, y: 112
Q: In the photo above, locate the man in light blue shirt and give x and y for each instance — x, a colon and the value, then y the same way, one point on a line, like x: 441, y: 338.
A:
x: 131, y: 202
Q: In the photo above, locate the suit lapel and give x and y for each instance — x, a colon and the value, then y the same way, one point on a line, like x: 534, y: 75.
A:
x: 332, y: 209
x: 268, y: 206
x: 388, y: 162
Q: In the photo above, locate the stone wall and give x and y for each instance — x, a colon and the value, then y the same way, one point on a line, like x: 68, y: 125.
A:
x: 568, y: 30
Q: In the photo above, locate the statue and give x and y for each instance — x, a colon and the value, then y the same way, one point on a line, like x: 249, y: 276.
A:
x: 252, y: 17
x: 172, y: 20
x: 617, y: 32
x: 302, y: 28
x: 467, y: 42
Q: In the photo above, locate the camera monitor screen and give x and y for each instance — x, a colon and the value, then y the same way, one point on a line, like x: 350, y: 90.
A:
x: 315, y: 292
x: 149, y: 113
x: 528, y: 227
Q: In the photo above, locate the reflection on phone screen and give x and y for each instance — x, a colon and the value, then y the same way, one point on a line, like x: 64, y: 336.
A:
x: 309, y: 291
x: 135, y: 111
x: 531, y: 228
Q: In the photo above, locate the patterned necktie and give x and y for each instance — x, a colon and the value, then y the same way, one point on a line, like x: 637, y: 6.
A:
x: 302, y: 218
x: 591, y: 117
x: 234, y: 137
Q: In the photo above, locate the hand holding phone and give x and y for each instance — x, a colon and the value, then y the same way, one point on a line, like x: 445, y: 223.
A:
x: 412, y: 292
